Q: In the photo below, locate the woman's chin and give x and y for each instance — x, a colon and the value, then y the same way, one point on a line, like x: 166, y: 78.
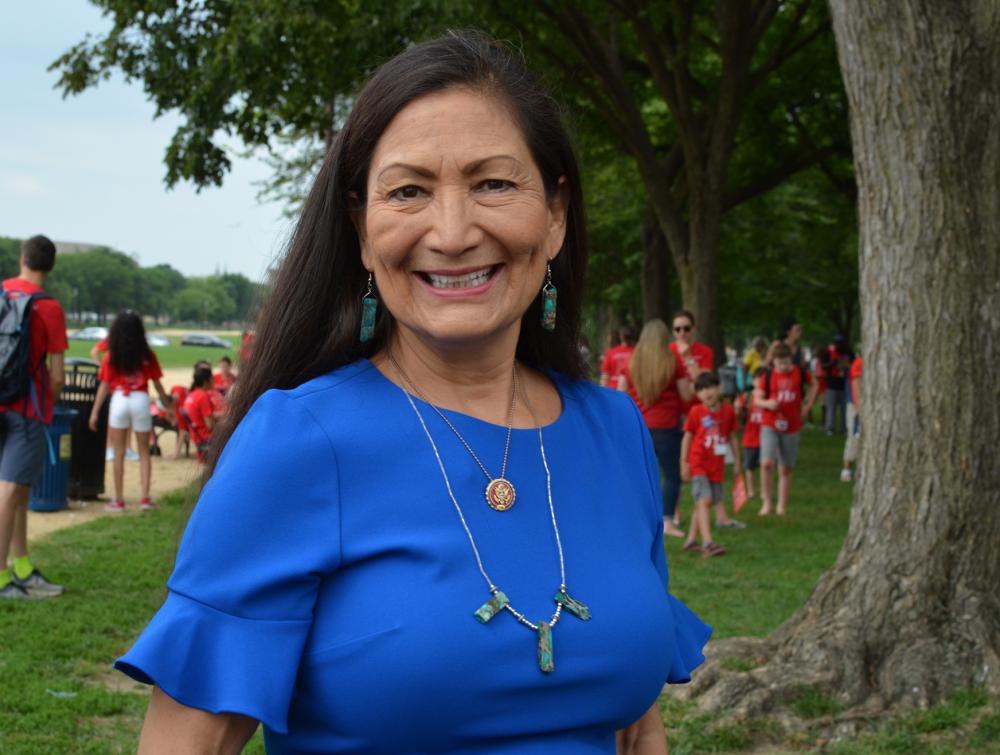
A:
x: 467, y: 332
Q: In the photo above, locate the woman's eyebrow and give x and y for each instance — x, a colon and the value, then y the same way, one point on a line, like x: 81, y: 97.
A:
x: 475, y: 165
x: 418, y: 169
x: 467, y: 169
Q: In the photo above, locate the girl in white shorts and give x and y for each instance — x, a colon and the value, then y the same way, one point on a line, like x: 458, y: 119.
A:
x: 126, y: 372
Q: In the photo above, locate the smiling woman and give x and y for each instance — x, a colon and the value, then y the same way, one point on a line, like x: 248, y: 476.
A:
x: 414, y: 481
x: 458, y: 227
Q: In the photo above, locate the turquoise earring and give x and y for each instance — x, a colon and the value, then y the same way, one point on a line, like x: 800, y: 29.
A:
x: 369, y: 306
x: 548, y: 301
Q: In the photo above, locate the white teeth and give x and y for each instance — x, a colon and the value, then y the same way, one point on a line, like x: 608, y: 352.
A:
x: 461, y: 281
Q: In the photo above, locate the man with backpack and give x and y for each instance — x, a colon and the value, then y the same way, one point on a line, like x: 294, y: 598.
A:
x: 32, y: 331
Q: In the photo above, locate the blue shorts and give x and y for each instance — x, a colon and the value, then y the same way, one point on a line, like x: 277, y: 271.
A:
x: 22, y: 448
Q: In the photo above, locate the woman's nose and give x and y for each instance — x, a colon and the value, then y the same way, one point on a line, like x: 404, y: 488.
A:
x: 453, y: 228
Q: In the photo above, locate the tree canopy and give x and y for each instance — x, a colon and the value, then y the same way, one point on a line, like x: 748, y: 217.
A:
x: 101, y: 282
x: 712, y: 104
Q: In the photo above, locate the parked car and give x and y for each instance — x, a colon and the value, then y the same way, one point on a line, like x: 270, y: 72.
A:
x: 90, y: 334
x: 154, y: 339
x: 203, y: 339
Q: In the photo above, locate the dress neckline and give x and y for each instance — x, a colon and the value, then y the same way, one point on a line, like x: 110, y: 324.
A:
x: 470, y: 419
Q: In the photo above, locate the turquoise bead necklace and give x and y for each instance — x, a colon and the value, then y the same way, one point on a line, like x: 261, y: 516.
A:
x: 499, y: 601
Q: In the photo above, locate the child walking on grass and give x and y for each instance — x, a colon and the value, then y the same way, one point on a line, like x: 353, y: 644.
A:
x: 126, y: 371
x: 751, y: 436
x: 779, y: 393
x: 709, y: 430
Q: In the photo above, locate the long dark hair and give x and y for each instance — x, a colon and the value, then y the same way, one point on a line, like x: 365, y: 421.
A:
x: 127, y: 345
x: 310, y: 323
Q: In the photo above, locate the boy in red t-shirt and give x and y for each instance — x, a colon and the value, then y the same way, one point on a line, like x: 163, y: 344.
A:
x: 23, y: 443
x: 779, y: 393
x: 709, y: 431
x: 751, y: 437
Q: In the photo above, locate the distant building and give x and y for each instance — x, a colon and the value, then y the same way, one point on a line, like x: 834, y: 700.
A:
x: 70, y: 247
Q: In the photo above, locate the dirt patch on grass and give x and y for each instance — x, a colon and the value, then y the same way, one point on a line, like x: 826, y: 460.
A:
x: 168, y: 475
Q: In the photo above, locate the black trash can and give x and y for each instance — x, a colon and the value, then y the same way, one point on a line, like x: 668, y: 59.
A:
x: 51, y: 491
x: 86, y: 469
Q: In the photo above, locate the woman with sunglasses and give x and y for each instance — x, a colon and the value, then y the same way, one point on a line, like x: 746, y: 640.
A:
x: 696, y: 357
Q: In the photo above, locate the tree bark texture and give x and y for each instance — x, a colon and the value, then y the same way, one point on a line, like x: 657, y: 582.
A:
x: 656, y: 270
x: 911, y: 609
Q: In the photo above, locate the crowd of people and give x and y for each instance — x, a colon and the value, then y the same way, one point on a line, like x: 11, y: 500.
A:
x: 696, y: 430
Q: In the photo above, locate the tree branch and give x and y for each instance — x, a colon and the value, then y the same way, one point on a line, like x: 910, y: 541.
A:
x: 779, y: 175
x: 784, y: 55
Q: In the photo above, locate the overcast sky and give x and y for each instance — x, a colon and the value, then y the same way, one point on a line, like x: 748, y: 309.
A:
x: 90, y: 168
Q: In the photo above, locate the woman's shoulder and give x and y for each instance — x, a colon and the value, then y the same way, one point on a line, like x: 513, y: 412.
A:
x: 590, y: 399
x: 353, y: 396
x: 342, y: 383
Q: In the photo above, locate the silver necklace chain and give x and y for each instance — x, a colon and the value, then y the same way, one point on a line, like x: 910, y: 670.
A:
x: 510, y: 419
x: 465, y: 525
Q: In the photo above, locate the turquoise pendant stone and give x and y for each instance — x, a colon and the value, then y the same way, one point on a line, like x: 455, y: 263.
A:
x: 575, y: 607
x: 549, y: 309
x: 369, y: 305
x: 545, y: 648
x: 492, y: 607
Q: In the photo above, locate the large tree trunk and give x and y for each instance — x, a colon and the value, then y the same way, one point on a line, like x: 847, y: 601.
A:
x: 656, y: 270
x: 911, y: 609
x: 699, y: 268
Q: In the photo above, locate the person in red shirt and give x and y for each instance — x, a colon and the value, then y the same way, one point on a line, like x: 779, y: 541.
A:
x: 779, y: 393
x: 696, y: 357
x: 616, y: 358
x: 100, y: 348
x: 246, y: 347
x: 224, y: 378
x: 836, y: 361
x: 201, y: 414
x: 709, y: 431
x: 751, y: 437
x: 23, y: 442
x: 219, y: 403
x: 177, y: 394
x: 659, y: 384
x: 853, y: 444
x: 126, y: 372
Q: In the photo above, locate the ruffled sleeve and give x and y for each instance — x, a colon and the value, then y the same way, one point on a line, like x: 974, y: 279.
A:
x: 690, y: 633
x: 263, y: 535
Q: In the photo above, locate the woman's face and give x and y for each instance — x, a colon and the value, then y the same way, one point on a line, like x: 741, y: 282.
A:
x: 457, y: 228
x: 683, y: 330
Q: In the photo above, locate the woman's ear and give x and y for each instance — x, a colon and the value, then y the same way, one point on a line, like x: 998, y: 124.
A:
x: 558, y: 207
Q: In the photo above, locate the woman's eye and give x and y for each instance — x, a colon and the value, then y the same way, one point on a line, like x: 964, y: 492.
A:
x: 406, y: 192
x: 495, y: 184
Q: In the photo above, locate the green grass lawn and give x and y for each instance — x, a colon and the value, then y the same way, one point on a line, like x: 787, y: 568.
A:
x: 173, y: 355
x: 772, y: 565
x: 58, y: 694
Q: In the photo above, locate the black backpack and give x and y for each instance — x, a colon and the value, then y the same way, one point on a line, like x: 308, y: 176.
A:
x: 15, y: 342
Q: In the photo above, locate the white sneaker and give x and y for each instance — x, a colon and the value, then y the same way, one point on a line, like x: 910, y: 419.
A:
x: 845, y: 475
x: 109, y: 455
x: 131, y: 455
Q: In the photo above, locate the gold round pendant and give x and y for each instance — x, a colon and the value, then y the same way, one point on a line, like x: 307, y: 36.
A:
x: 500, y: 494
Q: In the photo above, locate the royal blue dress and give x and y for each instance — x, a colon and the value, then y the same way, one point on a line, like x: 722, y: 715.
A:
x: 325, y: 586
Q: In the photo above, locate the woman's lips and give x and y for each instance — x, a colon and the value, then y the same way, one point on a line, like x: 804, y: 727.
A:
x: 459, y: 283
